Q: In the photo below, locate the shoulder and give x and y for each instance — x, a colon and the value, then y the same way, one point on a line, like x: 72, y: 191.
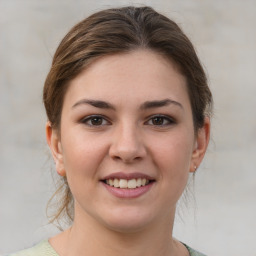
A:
x: 41, y: 249
x: 193, y: 252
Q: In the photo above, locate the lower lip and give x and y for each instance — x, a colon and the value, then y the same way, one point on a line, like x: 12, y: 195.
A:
x: 128, y: 192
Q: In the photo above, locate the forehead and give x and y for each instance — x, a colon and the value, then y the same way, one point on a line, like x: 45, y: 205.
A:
x: 140, y: 75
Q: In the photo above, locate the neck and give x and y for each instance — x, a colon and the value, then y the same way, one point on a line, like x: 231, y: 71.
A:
x: 88, y: 237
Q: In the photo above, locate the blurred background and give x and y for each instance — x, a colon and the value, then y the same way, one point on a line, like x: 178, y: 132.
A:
x: 219, y: 219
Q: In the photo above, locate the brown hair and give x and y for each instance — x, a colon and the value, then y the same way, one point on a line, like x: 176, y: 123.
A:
x: 121, y: 30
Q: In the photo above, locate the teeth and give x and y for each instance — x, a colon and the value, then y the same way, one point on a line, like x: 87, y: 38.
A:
x: 132, y: 183
x: 123, y: 183
x: 138, y: 183
x: 111, y: 182
x: 116, y: 183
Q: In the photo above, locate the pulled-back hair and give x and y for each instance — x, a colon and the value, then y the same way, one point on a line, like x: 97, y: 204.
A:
x: 117, y: 31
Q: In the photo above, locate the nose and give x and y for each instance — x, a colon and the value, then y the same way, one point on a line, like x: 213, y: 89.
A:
x: 127, y: 144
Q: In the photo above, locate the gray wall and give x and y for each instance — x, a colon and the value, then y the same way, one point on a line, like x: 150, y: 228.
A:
x: 222, y: 220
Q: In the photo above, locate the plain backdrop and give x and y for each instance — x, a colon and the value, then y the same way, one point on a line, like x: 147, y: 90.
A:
x: 219, y: 219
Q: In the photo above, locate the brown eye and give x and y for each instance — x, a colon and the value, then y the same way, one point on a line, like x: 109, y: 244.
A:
x: 160, y: 120
x: 95, y: 121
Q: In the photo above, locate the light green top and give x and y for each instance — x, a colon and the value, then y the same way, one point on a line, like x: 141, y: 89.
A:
x: 41, y: 249
x: 45, y: 249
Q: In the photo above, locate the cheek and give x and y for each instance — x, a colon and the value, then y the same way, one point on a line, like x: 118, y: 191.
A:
x: 82, y: 155
x: 172, y: 157
x: 82, y: 162
x: 175, y: 151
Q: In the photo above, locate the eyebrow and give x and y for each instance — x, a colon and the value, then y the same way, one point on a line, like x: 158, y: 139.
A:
x: 94, y: 103
x: 159, y: 103
x: 144, y: 106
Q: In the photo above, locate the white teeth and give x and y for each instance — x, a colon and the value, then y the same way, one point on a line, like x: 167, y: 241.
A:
x: 132, y: 183
x: 138, y: 183
x: 110, y: 182
x: 116, y: 183
x: 123, y: 183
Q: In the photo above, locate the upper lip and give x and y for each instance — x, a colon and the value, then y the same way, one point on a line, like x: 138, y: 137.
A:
x: 128, y: 176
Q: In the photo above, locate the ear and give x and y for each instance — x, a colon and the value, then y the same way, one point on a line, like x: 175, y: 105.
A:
x: 201, y: 143
x: 54, y: 143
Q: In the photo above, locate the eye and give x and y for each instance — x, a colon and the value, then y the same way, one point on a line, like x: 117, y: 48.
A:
x: 95, y: 120
x: 160, y: 120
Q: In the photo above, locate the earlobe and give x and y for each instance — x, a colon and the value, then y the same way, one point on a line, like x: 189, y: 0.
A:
x: 54, y: 144
x: 201, y: 145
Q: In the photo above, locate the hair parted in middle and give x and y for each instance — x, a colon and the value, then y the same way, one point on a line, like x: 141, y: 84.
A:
x: 118, y: 31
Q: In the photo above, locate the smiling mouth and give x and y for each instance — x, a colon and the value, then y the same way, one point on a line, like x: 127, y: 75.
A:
x: 128, y: 183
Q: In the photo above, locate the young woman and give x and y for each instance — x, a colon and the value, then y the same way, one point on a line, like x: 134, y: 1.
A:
x: 128, y: 111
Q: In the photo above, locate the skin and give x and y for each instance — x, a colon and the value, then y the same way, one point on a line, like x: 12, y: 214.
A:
x: 126, y: 138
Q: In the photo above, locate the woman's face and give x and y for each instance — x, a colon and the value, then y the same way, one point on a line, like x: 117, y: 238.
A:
x: 127, y: 140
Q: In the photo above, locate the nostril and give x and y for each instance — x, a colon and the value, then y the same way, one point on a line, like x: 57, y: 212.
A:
x: 126, y: 156
x: 127, y: 147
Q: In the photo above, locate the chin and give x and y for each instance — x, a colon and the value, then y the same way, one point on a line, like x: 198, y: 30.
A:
x: 128, y: 221
x: 127, y: 227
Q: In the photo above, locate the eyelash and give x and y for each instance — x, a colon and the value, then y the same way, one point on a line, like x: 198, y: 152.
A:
x: 166, y: 120
x: 88, y: 119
